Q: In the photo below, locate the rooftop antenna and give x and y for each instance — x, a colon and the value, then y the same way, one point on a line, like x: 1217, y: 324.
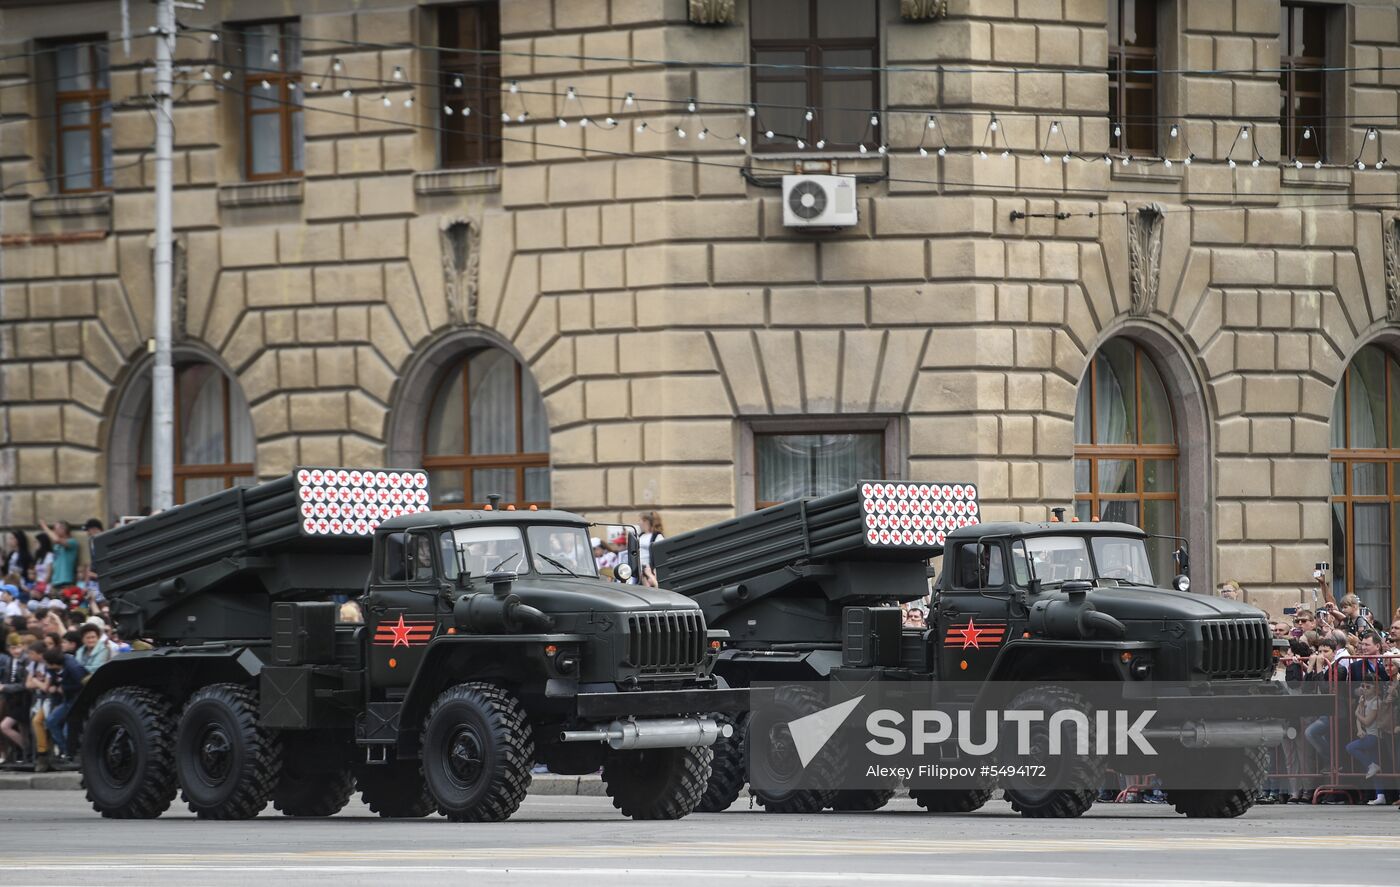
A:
x: 1059, y: 513
x: 495, y: 501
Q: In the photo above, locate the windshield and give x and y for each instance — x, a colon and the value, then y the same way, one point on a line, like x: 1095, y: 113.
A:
x: 1058, y: 559
x: 561, y: 551
x: 479, y: 550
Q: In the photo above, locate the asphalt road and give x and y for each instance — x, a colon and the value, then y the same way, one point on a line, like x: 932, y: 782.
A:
x: 579, y: 841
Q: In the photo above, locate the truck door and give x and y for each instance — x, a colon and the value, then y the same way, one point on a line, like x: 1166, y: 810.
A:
x: 401, y: 616
x: 971, y: 615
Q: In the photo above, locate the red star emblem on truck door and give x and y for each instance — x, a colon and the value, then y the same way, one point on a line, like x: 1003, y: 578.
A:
x: 974, y: 636
x: 403, y: 634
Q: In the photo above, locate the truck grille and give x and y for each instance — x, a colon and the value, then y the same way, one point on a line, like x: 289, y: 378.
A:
x: 666, y: 641
x: 1236, y: 648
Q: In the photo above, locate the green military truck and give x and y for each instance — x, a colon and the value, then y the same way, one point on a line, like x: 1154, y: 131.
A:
x: 807, y: 592
x: 488, y: 644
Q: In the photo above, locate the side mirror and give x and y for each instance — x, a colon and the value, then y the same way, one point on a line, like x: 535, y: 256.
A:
x: 1033, y: 586
x: 634, y: 555
x: 1183, y: 560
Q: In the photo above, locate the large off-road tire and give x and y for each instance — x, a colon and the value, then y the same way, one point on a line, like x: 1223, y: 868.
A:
x: 945, y: 800
x: 128, y: 754
x: 779, y: 764
x: 728, y: 770
x: 1073, y: 770
x: 228, y: 765
x: 857, y: 800
x: 1250, y: 766
x: 396, y: 790
x: 316, y: 775
x: 657, y: 783
x: 477, y: 753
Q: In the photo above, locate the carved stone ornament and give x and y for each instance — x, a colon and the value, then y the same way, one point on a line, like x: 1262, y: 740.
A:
x: 923, y: 10
x: 1144, y: 257
x: 712, y: 12
x: 1390, y: 240
x: 461, y: 261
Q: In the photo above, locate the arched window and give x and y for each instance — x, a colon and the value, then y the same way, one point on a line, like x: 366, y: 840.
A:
x: 487, y: 433
x: 1125, y: 453
x: 213, y: 436
x: 1366, y: 479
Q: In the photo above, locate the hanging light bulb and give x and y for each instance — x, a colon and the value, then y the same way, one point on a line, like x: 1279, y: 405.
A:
x: 408, y: 102
x: 515, y: 86
x: 466, y: 111
x: 704, y: 132
x: 505, y: 117
x: 1255, y: 163
x: 214, y: 38
x: 292, y: 84
x: 982, y: 155
x: 1231, y: 163
x: 583, y: 122
x: 274, y: 57
x: 1167, y: 162
x: 821, y: 143
x: 768, y: 133
x: 610, y: 121
x: 1244, y: 133
x: 883, y: 149
x: 752, y: 111
x: 207, y: 75
x: 346, y: 93
x: 1380, y: 164
x: 994, y: 125
x: 1371, y: 134
x: 1055, y: 126
x: 335, y: 65
x: 1189, y: 158
x: 932, y: 122
x: 861, y: 147
x: 520, y: 118
x: 456, y: 82
x: 1307, y: 133
x: 1127, y: 160
x: 641, y: 126
x: 398, y: 72
x: 1117, y: 131
x: 1317, y: 164
x: 316, y: 85
x: 942, y: 152
x: 1173, y: 131
x: 563, y: 124
x: 447, y: 109
x: 1108, y: 161
x: 923, y: 152
x: 801, y: 145
x: 1005, y: 153
x: 1360, y: 164
x: 874, y: 120
x: 266, y: 85
x: 743, y: 141
x: 680, y: 132
x: 1045, y: 158
x: 630, y: 100
x: 228, y: 75
x: 809, y: 115
x: 690, y: 106
x: 386, y: 101
x: 570, y: 94
x: 1064, y: 158
x: 1297, y: 164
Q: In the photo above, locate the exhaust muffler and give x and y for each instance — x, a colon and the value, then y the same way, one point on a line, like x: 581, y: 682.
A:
x: 653, y: 733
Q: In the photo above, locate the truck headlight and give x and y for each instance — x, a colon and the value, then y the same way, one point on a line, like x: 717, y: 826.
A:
x: 1182, y: 583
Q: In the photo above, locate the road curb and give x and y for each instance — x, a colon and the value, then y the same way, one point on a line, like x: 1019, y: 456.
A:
x: 41, y: 781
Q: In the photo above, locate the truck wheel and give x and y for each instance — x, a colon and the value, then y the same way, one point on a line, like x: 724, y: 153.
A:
x: 477, y: 753
x: 727, y: 770
x: 316, y: 776
x: 779, y: 764
x: 1031, y: 797
x: 951, y: 800
x: 395, y: 791
x: 1251, y: 765
x: 128, y: 755
x: 657, y: 783
x: 859, y: 800
x: 228, y: 765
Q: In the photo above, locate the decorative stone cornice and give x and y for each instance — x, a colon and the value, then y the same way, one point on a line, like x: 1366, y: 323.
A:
x: 458, y: 181
x: 261, y: 193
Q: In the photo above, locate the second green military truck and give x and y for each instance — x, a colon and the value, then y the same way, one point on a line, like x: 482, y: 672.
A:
x: 488, y: 643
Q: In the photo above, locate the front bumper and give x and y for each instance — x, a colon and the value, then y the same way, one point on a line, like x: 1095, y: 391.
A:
x: 653, y: 703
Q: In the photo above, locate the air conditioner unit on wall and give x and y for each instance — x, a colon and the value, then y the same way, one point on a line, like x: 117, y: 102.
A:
x: 819, y: 201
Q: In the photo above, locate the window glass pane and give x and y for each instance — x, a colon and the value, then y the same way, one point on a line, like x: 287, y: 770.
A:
x: 1161, y: 519
x: 794, y: 465
x: 1117, y: 476
x: 780, y: 104
x: 1139, y: 24
x: 537, y: 485
x: 1115, y: 23
x: 780, y: 20
x: 486, y: 481
x: 1082, y: 418
x: 240, y: 425
x: 1084, y: 509
x: 1310, y: 37
x: 1116, y: 418
x: 74, y: 114
x: 1141, y: 111
x: 1339, y: 478
x: 1159, y: 476
x: 1366, y: 388
x: 76, y: 145
x: 1157, y: 427
x: 1123, y: 512
x: 74, y: 67
x: 201, y: 405
x: 1082, y: 475
x: 847, y: 127
x: 107, y: 156
x: 1368, y: 478
x: 445, y: 420
x: 291, y: 46
x: 1340, y: 559
x: 266, y: 143
x: 1371, y: 552
x: 1393, y: 369
x: 845, y: 19
x: 1339, y: 426
x: 491, y: 377
x: 446, y: 486
x: 259, y: 44
x: 298, y: 140
x: 199, y: 487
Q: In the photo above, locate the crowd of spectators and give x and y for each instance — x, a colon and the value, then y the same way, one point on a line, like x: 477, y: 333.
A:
x: 1338, y: 643
x: 610, y: 553
x: 56, y: 628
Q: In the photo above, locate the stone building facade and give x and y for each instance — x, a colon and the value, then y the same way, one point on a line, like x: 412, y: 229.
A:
x: 647, y: 285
